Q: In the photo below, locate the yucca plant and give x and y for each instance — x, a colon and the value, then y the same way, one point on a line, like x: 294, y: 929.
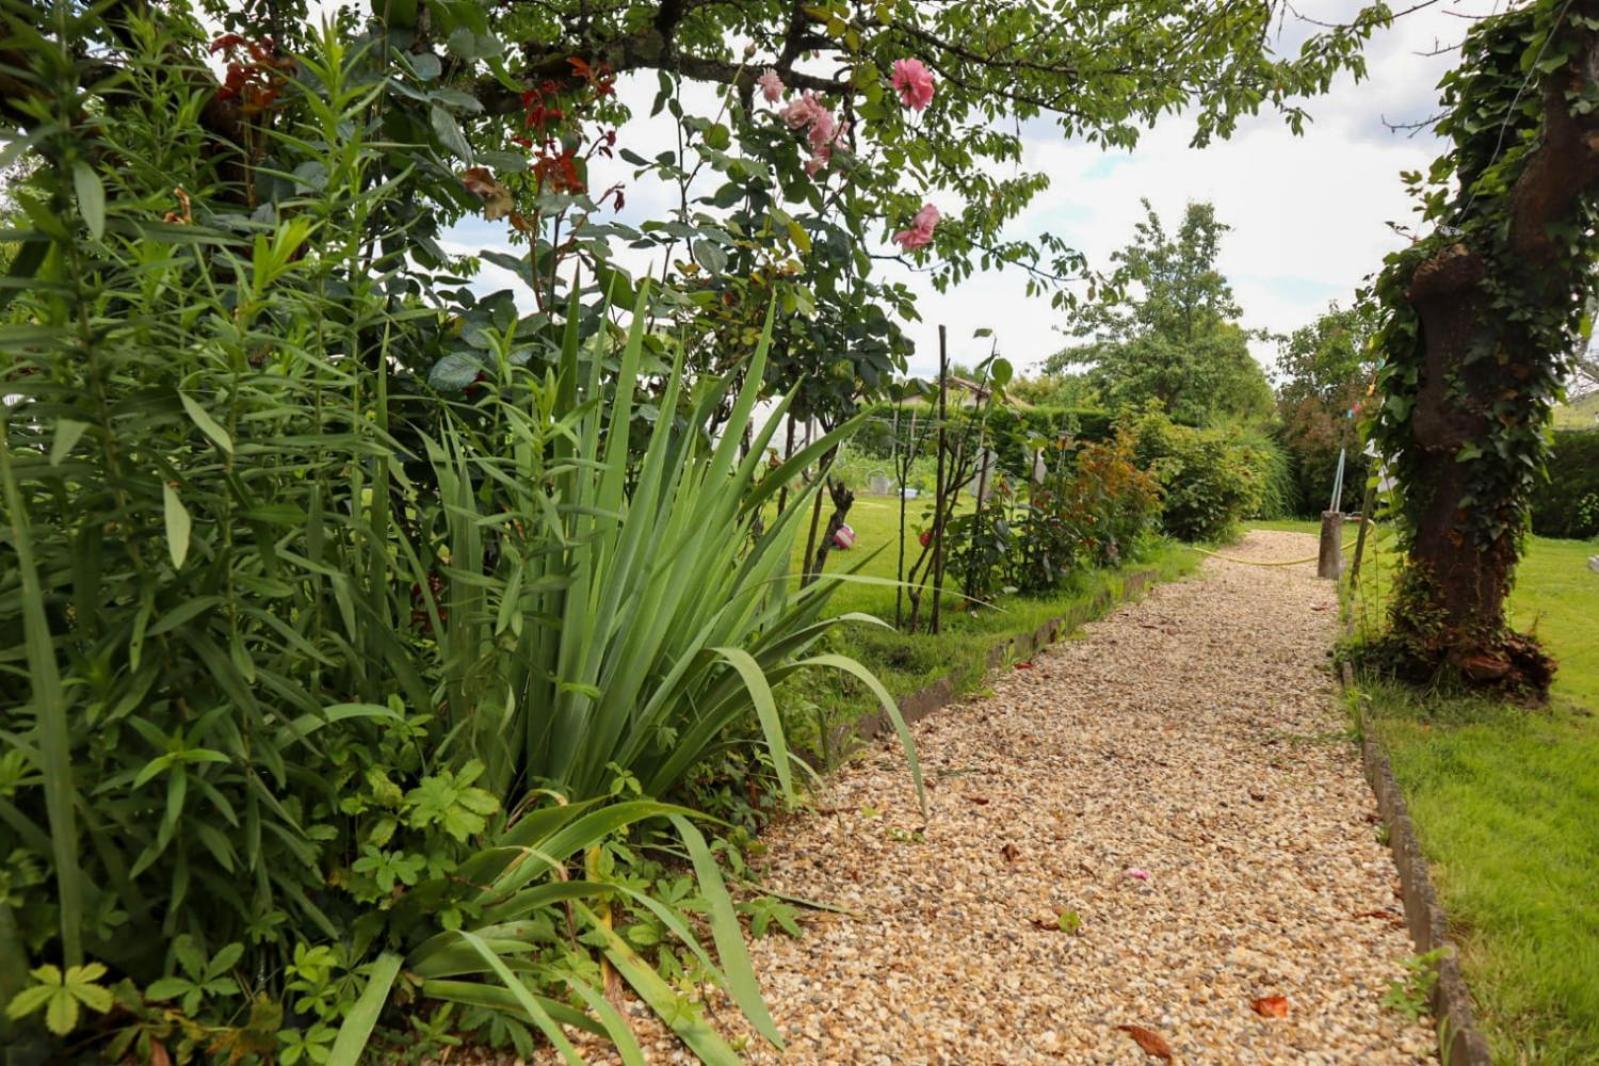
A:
x: 657, y: 613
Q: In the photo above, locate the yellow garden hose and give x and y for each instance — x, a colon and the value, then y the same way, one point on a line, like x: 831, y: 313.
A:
x: 1347, y: 545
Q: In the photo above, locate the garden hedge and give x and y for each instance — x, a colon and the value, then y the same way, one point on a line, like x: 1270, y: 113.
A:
x: 1567, y: 503
x: 1009, y: 429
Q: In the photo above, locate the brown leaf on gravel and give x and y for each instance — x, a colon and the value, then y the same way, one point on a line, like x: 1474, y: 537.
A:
x: 1024, y: 665
x: 1152, y: 1043
x: 1011, y: 852
x: 1395, y: 920
x: 1270, y: 1006
x: 981, y: 801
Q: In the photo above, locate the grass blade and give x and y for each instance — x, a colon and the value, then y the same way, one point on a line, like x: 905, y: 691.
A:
x: 742, y: 984
x: 662, y: 998
x: 50, y: 712
x: 525, y: 999
x: 358, y: 1024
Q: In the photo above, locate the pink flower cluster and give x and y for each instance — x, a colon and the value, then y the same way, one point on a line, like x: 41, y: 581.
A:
x: 921, y: 232
x: 914, y: 83
x: 822, y: 129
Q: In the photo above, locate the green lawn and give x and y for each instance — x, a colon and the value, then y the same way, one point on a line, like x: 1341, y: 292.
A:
x: 1506, y: 801
x: 1581, y: 413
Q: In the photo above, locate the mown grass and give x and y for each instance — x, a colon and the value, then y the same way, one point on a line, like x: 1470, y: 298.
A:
x: 1506, y: 802
x: 1581, y: 413
x: 909, y: 662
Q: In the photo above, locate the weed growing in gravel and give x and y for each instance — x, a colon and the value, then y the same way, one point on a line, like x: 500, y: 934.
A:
x: 1411, y: 995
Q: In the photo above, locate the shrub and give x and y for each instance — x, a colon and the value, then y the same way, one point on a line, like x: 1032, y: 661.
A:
x: 1092, y: 509
x: 1312, y: 435
x: 1210, y: 478
x: 1567, y: 503
x: 1013, y: 432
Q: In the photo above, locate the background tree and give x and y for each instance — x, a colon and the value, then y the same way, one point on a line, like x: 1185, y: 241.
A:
x: 1165, y: 330
x: 1323, y: 371
x: 1481, y: 321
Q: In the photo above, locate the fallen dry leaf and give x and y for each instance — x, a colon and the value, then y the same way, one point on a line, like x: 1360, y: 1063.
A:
x: 1011, y: 852
x: 981, y: 801
x: 1395, y: 920
x: 1024, y: 665
x: 1271, y: 1006
x: 1152, y: 1043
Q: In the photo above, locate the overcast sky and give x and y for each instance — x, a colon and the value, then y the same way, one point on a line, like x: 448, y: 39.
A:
x: 1309, y: 214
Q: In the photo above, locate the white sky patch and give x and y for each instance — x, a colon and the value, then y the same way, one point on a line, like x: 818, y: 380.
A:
x: 1309, y: 215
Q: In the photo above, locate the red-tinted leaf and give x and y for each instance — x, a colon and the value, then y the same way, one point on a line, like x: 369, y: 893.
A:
x: 1152, y: 1043
x: 1271, y: 1006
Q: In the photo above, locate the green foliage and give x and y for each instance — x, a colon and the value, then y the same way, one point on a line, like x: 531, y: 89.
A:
x: 1014, y: 431
x: 1164, y: 329
x: 1567, y: 503
x: 62, y: 995
x: 321, y: 668
x: 1325, y: 369
x: 1093, y: 508
x: 1411, y: 995
x: 1211, y: 479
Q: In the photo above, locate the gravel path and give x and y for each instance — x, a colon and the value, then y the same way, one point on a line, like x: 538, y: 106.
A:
x: 1192, y: 738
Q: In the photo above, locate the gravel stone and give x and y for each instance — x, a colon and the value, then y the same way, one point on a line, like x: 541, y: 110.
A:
x: 1195, y: 736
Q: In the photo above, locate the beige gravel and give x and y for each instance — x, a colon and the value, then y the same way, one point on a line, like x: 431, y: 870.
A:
x: 1194, y: 736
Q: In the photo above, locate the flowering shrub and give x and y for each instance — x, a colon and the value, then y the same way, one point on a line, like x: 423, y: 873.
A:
x: 1092, y: 508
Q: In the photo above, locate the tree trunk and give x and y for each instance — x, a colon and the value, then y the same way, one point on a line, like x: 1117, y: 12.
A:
x: 843, y: 499
x: 1480, y: 379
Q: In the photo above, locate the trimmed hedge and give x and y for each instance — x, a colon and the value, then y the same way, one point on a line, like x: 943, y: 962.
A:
x: 1567, y: 504
x: 1009, y: 429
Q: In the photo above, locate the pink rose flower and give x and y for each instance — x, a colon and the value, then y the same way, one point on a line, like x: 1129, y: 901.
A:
x: 921, y: 232
x: 771, y: 86
x: 822, y: 131
x: 802, y: 111
x: 914, y: 83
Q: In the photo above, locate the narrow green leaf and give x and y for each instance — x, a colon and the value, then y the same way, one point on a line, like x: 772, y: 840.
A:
x: 760, y: 691
x: 886, y: 700
x: 363, y: 1017
x: 50, y: 713
x: 535, y: 1012
x: 68, y: 433
x: 742, y: 983
x: 661, y: 997
x: 177, y: 519
x: 208, y: 425
x: 91, y: 197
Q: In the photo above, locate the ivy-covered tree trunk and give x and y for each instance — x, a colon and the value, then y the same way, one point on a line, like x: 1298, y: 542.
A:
x: 1483, y: 318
